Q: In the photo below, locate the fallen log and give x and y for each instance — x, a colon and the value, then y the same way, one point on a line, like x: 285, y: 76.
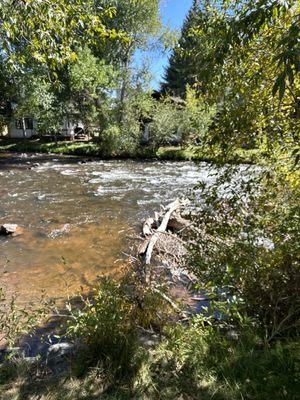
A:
x: 150, y: 243
x: 177, y: 223
x: 147, y: 226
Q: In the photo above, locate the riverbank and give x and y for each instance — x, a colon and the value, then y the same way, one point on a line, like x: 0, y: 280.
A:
x: 91, y: 149
x: 135, y: 348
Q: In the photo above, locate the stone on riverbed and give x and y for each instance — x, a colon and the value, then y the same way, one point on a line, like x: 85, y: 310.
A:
x: 58, y: 356
x: 65, y: 229
x: 10, y: 230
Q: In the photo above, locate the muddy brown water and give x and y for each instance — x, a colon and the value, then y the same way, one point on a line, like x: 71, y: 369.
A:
x: 77, y: 217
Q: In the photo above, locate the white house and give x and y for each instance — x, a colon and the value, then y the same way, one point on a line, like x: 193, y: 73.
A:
x: 69, y: 128
x: 15, y: 128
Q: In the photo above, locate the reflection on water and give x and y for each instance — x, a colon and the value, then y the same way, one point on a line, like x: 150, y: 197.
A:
x: 76, y: 216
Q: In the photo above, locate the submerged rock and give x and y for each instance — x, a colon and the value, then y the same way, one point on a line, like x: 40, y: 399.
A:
x: 58, y: 357
x: 10, y: 230
x: 65, y: 229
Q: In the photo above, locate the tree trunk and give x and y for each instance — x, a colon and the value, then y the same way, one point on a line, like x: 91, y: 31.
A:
x: 24, y: 127
x: 124, y: 83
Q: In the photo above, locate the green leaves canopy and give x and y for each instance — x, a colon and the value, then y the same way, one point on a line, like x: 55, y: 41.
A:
x: 49, y: 31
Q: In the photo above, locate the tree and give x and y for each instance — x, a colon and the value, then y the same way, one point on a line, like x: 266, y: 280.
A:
x: 91, y: 81
x: 49, y: 32
x: 181, y: 69
x: 34, y: 99
x: 237, y: 62
x: 141, y: 25
x: 39, y: 41
x: 260, y: 14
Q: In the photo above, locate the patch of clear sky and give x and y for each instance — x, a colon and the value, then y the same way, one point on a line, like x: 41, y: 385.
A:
x: 173, y: 14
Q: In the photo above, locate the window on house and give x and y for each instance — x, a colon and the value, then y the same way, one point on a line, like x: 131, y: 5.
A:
x: 28, y: 123
x: 18, y: 124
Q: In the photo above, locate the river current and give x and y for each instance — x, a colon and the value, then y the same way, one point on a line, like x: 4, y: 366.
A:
x: 77, y: 217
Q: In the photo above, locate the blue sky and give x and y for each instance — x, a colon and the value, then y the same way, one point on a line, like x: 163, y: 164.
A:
x: 173, y: 13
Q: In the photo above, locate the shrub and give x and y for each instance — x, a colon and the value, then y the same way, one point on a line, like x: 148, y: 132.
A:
x: 110, y: 140
x: 177, y: 121
x: 196, y: 118
x: 106, y: 326
x: 248, y: 246
x: 164, y: 127
x: 16, y: 321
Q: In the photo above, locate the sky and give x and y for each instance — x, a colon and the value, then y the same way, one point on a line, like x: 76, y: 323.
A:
x: 173, y: 14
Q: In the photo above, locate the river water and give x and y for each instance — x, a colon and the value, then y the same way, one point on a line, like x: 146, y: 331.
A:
x: 77, y: 217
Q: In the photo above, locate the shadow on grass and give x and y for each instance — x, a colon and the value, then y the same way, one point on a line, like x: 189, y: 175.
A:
x: 230, y: 374
x: 39, y: 146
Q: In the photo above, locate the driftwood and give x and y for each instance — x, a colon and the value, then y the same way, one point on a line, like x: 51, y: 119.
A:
x: 147, y: 247
x: 147, y: 226
x: 168, y: 268
x: 179, y: 224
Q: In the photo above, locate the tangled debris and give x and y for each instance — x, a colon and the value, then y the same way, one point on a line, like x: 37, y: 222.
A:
x: 162, y: 257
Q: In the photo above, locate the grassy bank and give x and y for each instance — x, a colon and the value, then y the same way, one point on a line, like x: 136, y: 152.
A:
x: 90, y: 149
x: 223, y: 373
x: 192, y: 361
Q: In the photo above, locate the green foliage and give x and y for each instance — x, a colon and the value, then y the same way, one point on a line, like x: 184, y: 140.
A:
x: 74, y: 59
x: 47, y: 32
x: 91, y: 81
x: 110, y: 140
x: 108, y: 323
x: 165, y: 123
x: 174, y: 120
x: 265, y: 14
x: 242, y: 56
x: 196, y: 119
x: 248, y: 246
x: 106, y: 326
x: 201, y: 363
x: 182, y: 70
x: 36, y: 100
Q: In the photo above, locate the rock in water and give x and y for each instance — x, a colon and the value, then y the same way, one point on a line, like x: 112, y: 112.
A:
x: 60, y: 232
x: 58, y: 356
x: 10, y: 230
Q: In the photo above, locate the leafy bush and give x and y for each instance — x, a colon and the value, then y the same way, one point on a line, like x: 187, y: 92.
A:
x: 176, y: 121
x: 248, y: 246
x: 110, y: 140
x: 108, y: 324
x: 164, y: 127
x: 196, y: 119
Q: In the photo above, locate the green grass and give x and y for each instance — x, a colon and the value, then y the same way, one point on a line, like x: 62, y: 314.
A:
x: 189, y: 364
x: 90, y: 149
x: 198, y: 153
x: 192, y: 361
x: 68, y: 148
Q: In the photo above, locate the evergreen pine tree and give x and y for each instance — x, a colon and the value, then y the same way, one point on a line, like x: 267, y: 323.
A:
x: 181, y: 69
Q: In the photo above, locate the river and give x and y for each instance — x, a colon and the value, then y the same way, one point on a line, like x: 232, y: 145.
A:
x: 77, y: 217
